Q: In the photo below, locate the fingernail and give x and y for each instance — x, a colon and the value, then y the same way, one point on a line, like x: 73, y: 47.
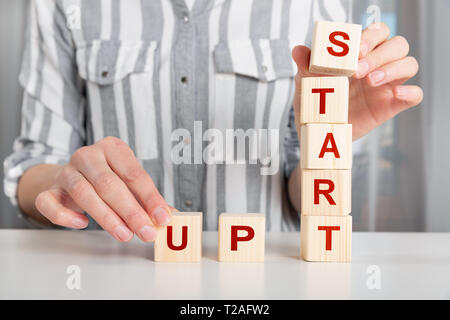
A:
x: 364, y: 49
x: 147, y: 233
x: 123, y: 233
x: 161, y: 216
x: 79, y: 223
x: 401, y: 93
x: 377, y: 77
x: 363, y: 68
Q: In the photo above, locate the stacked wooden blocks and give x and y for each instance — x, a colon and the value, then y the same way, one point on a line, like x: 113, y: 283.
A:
x: 326, y: 162
x: 326, y: 144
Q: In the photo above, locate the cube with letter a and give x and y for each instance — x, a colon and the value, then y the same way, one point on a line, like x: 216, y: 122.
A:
x: 181, y: 239
x: 324, y: 100
x: 335, y: 48
x: 241, y: 237
x: 326, y: 238
x: 326, y: 146
x: 326, y: 192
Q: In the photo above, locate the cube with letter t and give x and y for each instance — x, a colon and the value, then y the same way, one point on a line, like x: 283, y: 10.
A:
x: 335, y: 48
x: 326, y: 238
x: 241, y: 237
x: 324, y: 100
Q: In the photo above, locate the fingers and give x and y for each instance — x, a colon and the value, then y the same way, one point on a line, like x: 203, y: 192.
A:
x: 122, y: 161
x: 91, y: 163
x: 391, y: 50
x: 47, y: 203
x: 301, y: 56
x: 407, y: 97
x: 402, y: 69
x: 372, y: 36
x: 84, y: 195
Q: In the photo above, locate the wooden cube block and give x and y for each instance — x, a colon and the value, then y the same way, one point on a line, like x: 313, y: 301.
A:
x: 181, y: 239
x: 326, y: 238
x: 241, y: 237
x: 326, y: 146
x: 335, y: 48
x: 326, y: 192
x: 324, y: 100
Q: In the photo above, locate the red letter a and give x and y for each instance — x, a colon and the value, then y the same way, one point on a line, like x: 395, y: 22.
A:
x: 329, y: 138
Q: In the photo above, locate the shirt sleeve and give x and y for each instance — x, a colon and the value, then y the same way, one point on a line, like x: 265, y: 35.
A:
x: 52, y: 121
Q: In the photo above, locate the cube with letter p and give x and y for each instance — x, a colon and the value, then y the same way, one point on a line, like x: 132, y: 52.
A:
x: 241, y: 237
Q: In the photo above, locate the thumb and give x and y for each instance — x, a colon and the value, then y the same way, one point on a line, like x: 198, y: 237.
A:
x: 301, y: 56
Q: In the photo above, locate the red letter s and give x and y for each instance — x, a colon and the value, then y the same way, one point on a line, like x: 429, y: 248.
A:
x: 338, y: 43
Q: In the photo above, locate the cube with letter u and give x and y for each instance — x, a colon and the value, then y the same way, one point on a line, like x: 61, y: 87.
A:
x: 181, y: 239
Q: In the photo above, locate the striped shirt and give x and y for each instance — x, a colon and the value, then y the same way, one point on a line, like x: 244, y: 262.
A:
x: 163, y: 75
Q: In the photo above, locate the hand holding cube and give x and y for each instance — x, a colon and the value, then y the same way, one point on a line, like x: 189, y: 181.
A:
x: 377, y: 89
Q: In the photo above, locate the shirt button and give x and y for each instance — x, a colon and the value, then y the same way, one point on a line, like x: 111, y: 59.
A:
x: 188, y: 203
x: 185, y: 19
x: 264, y: 68
x: 184, y: 80
x: 105, y: 74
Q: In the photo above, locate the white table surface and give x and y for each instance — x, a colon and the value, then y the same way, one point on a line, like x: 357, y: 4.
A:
x: 33, y: 265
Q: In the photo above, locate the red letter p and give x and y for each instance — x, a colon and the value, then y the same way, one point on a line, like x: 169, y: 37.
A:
x: 234, y: 235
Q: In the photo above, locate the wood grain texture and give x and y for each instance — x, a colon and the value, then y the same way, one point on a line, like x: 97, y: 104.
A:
x: 326, y: 192
x: 192, y: 251
x: 335, y: 103
x: 325, y: 63
x: 312, y: 139
x: 251, y: 250
x: 314, y: 245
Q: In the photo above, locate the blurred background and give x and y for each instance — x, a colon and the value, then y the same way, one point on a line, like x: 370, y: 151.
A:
x: 402, y: 169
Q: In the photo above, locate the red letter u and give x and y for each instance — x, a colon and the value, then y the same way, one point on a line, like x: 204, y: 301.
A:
x: 183, y: 238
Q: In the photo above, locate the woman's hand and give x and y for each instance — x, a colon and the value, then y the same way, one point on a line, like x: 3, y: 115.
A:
x: 377, y: 92
x: 106, y: 181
